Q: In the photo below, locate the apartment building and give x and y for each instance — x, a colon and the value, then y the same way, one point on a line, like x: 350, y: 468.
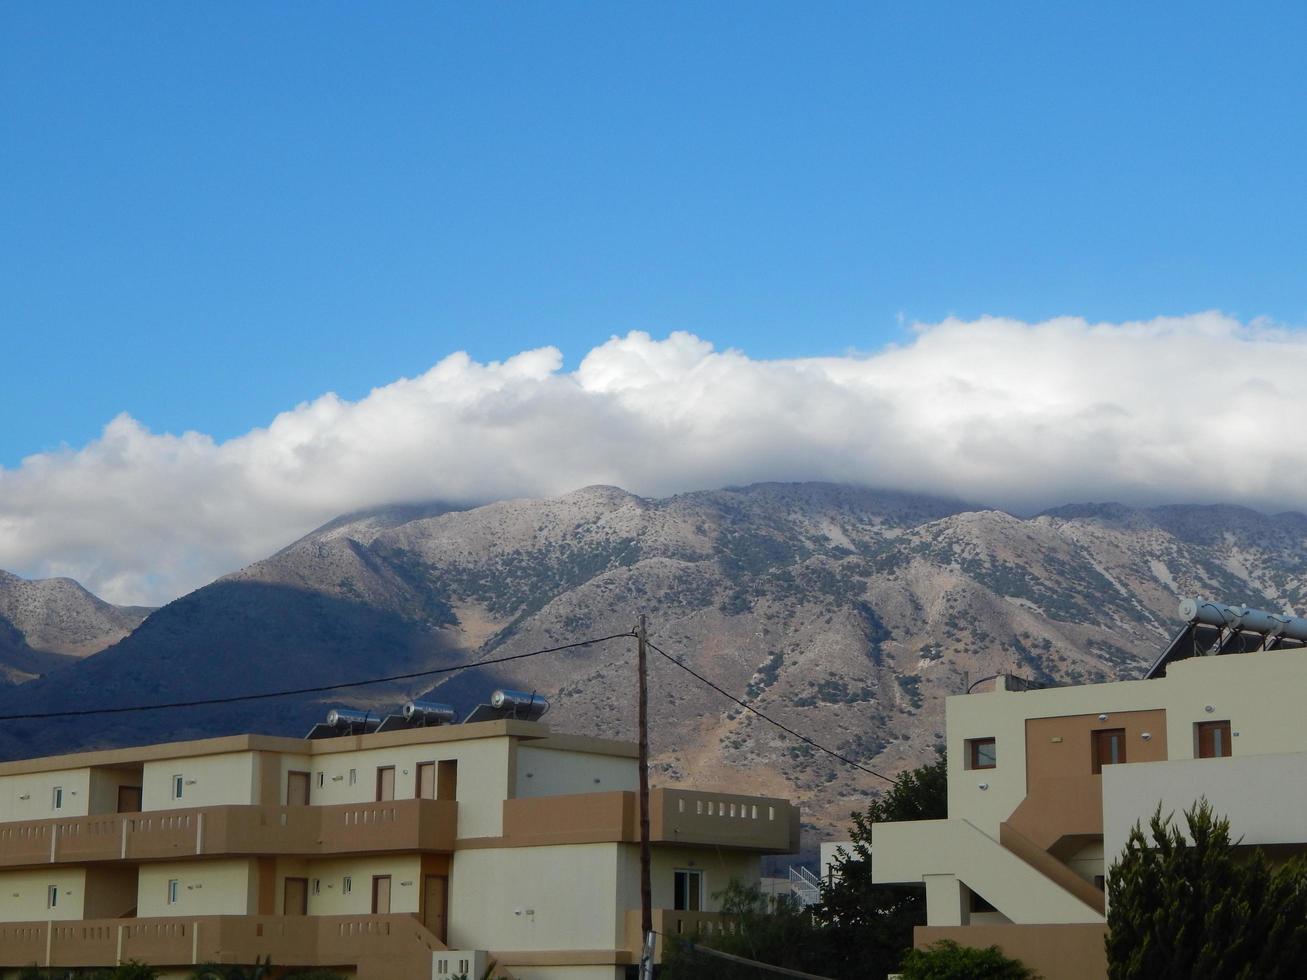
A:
x: 418, y: 852
x: 1044, y: 786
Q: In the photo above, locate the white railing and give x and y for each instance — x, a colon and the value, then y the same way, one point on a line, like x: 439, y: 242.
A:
x: 805, y: 885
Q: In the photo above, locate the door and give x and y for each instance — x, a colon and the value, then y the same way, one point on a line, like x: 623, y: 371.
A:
x: 1109, y: 748
x: 129, y: 799
x: 435, y: 905
x: 381, y: 894
x: 447, y: 780
x: 385, y: 783
x: 296, y: 897
x: 426, y: 780
x: 297, y: 788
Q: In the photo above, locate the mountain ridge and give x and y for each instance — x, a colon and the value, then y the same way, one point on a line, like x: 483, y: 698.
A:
x: 847, y: 613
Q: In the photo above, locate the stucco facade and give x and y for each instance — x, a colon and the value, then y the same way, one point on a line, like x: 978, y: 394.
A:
x: 1044, y: 786
x: 393, y: 855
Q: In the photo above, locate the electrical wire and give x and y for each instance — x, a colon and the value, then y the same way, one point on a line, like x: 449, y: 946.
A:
x: 312, y: 690
x: 772, y: 721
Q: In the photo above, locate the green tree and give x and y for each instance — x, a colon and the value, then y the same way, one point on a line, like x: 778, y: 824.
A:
x: 946, y: 960
x: 1189, y: 905
x: 870, y: 925
x: 858, y: 929
x: 779, y: 932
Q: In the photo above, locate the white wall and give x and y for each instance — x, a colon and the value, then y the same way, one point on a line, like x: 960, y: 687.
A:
x: 548, y: 772
x: 554, y: 897
x: 1264, y: 796
x: 24, y: 894
x: 483, y: 781
x: 215, y: 887
x: 332, y: 900
x: 208, y: 780
x: 38, y: 788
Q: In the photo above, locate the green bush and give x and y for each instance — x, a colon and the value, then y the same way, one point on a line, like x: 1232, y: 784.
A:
x: 134, y: 970
x: 1186, y: 903
x: 946, y: 960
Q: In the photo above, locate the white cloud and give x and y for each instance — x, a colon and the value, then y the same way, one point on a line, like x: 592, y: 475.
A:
x: 1196, y: 408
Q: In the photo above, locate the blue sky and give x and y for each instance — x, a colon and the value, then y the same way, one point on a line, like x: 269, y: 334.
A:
x: 215, y: 211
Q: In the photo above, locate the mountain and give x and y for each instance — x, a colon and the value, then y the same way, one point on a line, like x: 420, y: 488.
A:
x: 49, y: 622
x: 846, y: 613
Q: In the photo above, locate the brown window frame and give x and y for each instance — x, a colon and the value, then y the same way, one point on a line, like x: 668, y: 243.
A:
x: 974, y: 746
x: 1205, y: 728
x: 1097, y: 737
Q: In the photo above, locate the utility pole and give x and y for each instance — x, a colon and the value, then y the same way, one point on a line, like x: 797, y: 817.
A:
x: 646, y: 890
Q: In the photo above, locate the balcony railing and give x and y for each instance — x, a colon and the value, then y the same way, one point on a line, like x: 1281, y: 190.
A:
x: 386, y: 946
x: 679, y: 925
x: 675, y: 816
x: 399, y: 825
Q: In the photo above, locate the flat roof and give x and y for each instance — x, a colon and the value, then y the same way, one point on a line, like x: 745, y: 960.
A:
x: 536, y: 732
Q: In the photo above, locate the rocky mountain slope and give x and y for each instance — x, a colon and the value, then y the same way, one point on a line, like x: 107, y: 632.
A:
x: 846, y: 613
x: 47, y: 622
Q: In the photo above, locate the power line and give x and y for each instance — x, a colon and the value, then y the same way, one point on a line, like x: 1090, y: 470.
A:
x: 748, y: 707
x: 312, y: 690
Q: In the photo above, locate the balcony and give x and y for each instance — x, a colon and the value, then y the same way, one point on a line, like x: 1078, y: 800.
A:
x: 307, y: 831
x: 694, y: 926
x: 383, y: 946
x: 675, y: 817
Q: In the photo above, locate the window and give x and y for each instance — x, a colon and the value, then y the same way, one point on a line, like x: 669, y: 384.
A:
x: 51, y: 896
x: 177, y: 787
x: 1213, y: 739
x: 688, y: 891
x: 346, y: 885
x: 317, y: 886
x: 172, y: 891
x: 322, y: 780
x: 1100, y: 882
x: 981, y: 753
x: 1109, y: 748
x: 353, y: 776
x: 57, y: 798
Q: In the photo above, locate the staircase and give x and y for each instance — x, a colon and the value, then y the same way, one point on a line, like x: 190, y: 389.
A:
x: 805, y: 886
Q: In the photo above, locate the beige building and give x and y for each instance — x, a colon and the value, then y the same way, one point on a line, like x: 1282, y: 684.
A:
x: 415, y: 853
x: 1045, y: 785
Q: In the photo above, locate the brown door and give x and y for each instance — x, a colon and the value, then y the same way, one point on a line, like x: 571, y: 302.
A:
x: 381, y: 894
x: 385, y: 783
x: 296, y: 897
x: 1109, y: 748
x: 447, y: 780
x: 1213, y: 739
x: 129, y: 799
x: 297, y: 788
x: 426, y: 781
x: 435, y: 904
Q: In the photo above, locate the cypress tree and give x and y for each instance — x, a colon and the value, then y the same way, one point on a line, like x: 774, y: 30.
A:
x: 1193, y: 907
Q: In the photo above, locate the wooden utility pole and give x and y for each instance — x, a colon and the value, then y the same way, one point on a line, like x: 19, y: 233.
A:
x: 646, y: 890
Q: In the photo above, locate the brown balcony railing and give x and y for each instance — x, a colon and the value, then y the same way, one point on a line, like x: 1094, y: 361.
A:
x: 675, y: 816
x: 399, y: 825
x: 387, y: 946
x: 668, y: 923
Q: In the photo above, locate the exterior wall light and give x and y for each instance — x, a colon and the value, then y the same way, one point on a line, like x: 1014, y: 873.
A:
x: 336, y: 779
x: 1102, y: 717
x: 1209, y: 709
x: 1146, y: 736
x: 983, y: 785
